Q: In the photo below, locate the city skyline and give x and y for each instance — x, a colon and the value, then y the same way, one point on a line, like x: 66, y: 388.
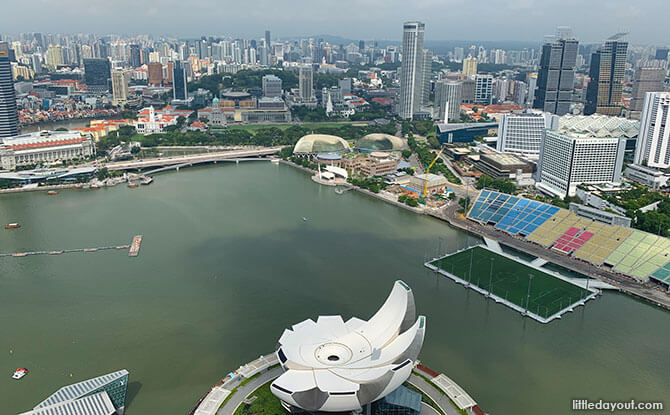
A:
x: 521, y: 20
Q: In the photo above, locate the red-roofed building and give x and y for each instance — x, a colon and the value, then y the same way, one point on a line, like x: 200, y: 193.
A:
x: 44, y: 147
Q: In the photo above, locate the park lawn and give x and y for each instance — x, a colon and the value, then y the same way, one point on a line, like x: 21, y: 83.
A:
x: 509, y: 279
x: 265, y: 403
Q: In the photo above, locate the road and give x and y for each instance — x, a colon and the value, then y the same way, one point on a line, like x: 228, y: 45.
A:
x: 190, y: 159
x: 646, y: 291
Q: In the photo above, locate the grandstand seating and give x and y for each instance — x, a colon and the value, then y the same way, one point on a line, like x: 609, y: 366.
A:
x: 631, y: 252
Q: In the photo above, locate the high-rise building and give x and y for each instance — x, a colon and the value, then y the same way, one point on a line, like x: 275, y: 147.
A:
x: 522, y: 133
x: 97, y: 72
x: 272, y: 86
x: 9, y: 116
x: 556, y: 76
x: 531, y: 80
x: 134, y: 57
x: 179, y: 88
x: 483, y: 89
x: 568, y: 160
x: 267, y: 40
x: 646, y: 79
x: 306, y: 83
x: 448, y: 100
x: 345, y: 86
x: 155, y: 72
x: 412, y: 70
x: 653, y: 143
x: 468, y: 91
x: 608, y: 67
x: 120, y: 79
x: 662, y: 54
x: 470, y: 66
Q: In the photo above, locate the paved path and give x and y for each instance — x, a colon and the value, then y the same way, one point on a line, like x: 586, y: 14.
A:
x: 242, y: 391
x: 440, y: 399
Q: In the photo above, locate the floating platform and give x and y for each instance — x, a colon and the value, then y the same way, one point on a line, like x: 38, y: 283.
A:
x: 135, y: 246
x: 538, y: 293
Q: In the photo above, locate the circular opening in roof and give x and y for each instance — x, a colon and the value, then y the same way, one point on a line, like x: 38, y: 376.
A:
x: 333, y: 354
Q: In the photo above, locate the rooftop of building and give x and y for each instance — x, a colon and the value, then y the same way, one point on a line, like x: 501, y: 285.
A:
x: 380, y: 142
x: 321, y: 143
x: 503, y: 159
x: 443, y: 128
x: 43, y: 139
x: 598, y: 126
x: 77, y: 390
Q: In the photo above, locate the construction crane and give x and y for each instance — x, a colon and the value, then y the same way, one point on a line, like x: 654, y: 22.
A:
x: 425, y: 185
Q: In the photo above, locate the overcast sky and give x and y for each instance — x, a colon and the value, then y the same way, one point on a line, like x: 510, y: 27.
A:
x: 527, y: 20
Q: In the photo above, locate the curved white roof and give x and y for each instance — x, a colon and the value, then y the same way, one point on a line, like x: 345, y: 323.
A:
x: 320, y: 143
x: 380, y: 142
x: 331, y: 365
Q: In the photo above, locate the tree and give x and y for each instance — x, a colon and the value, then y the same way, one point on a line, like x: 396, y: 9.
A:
x: 135, y: 150
x: 406, y: 154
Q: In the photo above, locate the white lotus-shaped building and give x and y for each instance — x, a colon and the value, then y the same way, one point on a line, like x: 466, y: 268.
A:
x: 333, y: 366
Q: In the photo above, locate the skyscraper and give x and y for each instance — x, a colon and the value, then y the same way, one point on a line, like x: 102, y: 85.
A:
x: 135, y: 57
x: 483, y: 89
x: 470, y: 66
x: 97, y: 72
x: 646, y: 79
x: 155, y: 73
x: 267, y: 40
x: 556, y: 76
x: 608, y: 67
x: 9, y: 116
x: 412, y: 70
x: 120, y: 79
x: 653, y: 143
x: 306, y: 83
x: 448, y: 99
x: 179, y: 89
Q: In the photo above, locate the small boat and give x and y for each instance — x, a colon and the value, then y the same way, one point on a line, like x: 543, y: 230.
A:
x: 19, y: 373
x: 55, y: 252
x: 19, y: 254
x: 77, y: 186
x: 123, y: 247
x: 90, y: 249
x: 133, y: 185
x: 147, y: 181
x: 52, y: 192
x: 275, y: 161
x: 304, y: 219
x: 95, y: 186
x: 12, y: 226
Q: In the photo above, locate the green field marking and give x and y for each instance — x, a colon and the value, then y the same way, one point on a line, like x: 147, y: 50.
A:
x: 509, y: 279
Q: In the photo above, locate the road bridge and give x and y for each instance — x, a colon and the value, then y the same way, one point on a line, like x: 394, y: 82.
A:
x: 192, y: 159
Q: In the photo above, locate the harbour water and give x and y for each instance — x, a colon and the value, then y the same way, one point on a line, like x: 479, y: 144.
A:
x: 227, y: 262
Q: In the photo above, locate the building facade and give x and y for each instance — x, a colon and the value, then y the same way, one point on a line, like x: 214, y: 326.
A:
x: 155, y: 73
x: 97, y: 73
x: 306, y: 83
x: 646, y: 79
x: 272, y: 86
x: 448, y: 100
x: 470, y: 66
x: 522, y: 133
x: 568, y: 160
x: 607, y: 71
x: 653, y: 144
x: 44, y: 147
x: 120, y: 79
x: 483, y: 89
x: 412, y: 70
x: 9, y: 116
x: 179, y: 88
x: 556, y: 76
